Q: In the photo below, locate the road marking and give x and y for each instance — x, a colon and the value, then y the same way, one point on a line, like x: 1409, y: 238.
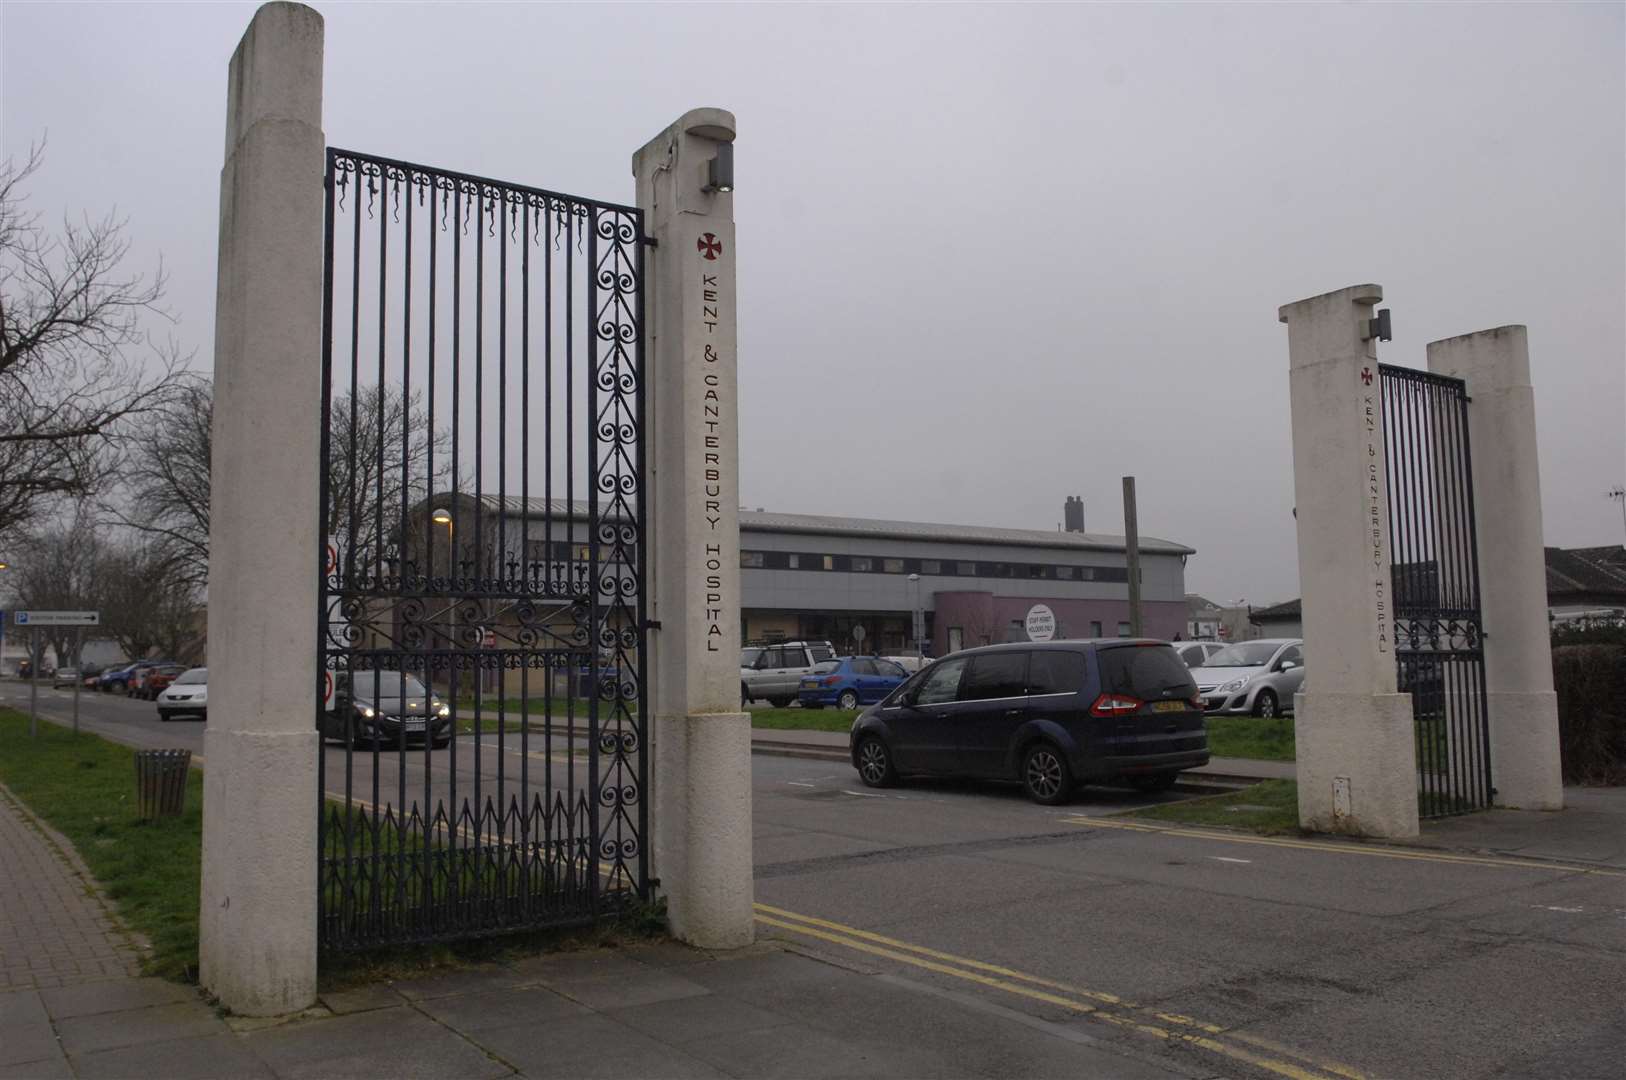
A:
x: 1373, y: 850
x: 1565, y: 910
x: 1222, y: 858
x: 1011, y: 982
x: 862, y: 794
x: 798, y: 783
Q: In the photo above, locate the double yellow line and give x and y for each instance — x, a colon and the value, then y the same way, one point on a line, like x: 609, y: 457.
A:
x: 1107, y: 1008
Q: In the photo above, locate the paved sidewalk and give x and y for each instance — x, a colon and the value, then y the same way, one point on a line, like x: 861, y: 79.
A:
x: 656, y: 1010
x: 55, y: 927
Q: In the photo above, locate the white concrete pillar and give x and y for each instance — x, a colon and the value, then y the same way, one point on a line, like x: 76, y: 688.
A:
x: 1495, y: 364
x: 258, y: 919
x: 702, y: 741
x: 1357, y: 769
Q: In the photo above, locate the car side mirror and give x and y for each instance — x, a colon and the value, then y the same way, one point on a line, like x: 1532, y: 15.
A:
x: 1287, y: 665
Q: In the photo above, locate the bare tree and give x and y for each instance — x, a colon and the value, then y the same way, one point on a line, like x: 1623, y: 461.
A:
x: 165, y: 489
x: 77, y: 367
x: 383, y: 460
x: 56, y: 568
x: 144, y: 605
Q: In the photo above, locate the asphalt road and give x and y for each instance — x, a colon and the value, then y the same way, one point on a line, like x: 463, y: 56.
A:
x: 1208, y: 956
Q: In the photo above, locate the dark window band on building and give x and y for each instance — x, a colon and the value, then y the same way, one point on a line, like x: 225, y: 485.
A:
x: 873, y: 564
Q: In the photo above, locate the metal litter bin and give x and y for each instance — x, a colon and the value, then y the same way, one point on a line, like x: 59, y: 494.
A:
x: 161, y: 782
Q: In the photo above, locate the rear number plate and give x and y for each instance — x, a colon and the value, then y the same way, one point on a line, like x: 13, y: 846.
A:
x: 1169, y: 706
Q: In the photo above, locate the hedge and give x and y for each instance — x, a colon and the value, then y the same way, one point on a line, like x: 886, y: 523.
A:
x: 1591, y: 685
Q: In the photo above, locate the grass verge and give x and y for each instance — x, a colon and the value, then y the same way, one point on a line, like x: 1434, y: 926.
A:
x: 1251, y: 737
x: 804, y: 719
x: 85, y: 789
x: 1270, y: 807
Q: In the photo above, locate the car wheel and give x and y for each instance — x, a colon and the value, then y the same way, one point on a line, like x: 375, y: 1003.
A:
x: 847, y: 700
x: 1045, y: 775
x: 441, y: 744
x: 1152, y: 782
x: 165, y: 715
x: 780, y: 702
x: 745, y: 696
x: 1265, y: 704
x: 875, y: 763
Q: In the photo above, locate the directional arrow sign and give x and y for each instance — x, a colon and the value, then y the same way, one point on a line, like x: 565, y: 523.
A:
x: 56, y: 618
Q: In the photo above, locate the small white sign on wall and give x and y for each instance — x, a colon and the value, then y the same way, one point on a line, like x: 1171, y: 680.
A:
x: 1040, y: 623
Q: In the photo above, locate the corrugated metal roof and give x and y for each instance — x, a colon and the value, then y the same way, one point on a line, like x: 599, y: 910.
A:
x: 818, y: 524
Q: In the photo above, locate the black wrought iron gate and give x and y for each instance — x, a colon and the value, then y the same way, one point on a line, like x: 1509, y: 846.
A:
x: 483, y: 763
x: 1438, y: 631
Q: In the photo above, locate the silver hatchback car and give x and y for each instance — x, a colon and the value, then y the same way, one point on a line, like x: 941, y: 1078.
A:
x: 1252, y: 678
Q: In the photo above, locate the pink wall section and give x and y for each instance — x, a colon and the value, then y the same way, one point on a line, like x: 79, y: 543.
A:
x: 980, y: 613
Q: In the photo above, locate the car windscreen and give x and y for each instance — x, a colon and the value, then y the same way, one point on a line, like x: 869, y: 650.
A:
x: 824, y: 667
x: 1148, y: 672
x: 389, y: 684
x: 188, y: 678
x: 1243, y: 654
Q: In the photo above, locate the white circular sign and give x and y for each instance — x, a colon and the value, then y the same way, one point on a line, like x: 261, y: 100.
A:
x: 1041, y: 623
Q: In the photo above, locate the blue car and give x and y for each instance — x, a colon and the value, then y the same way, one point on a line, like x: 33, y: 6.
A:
x: 848, y: 682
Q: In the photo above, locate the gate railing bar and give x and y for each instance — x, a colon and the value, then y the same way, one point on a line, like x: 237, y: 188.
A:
x: 594, y: 607
x: 646, y: 504
x: 322, y: 497
x: 1482, y: 695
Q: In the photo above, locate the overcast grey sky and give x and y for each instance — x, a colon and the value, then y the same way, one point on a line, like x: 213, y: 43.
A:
x: 989, y: 256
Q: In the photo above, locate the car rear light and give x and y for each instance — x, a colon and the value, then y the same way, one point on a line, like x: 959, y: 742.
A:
x: 831, y: 680
x: 1115, y: 705
x: 1196, y: 701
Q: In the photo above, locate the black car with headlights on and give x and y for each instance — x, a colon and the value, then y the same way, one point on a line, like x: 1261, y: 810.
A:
x: 385, y: 708
x: 1048, y: 715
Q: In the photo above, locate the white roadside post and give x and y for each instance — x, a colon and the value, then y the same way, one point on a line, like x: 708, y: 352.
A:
x: 1523, y: 708
x: 257, y: 933
x: 702, y: 741
x: 1357, y: 759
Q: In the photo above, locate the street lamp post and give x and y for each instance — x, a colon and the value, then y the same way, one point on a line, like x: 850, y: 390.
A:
x: 918, y: 618
x: 442, y: 516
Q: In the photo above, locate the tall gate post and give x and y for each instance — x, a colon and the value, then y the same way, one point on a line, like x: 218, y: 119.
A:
x: 1357, y: 759
x: 1523, y: 708
x: 702, y: 741
x: 257, y: 932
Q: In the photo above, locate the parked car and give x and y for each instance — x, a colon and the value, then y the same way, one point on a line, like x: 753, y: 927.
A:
x: 1196, y: 653
x: 849, y: 682
x: 1047, y: 715
x: 90, y: 675
x: 157, y: 679
x: 775, y: 671
x: 115, y: 679
x: 911, y: 664
x: 1252, y: 678
x: 383, y: 708
x: 65, y: 676
x: 136, y: 684
x: 186, y: 695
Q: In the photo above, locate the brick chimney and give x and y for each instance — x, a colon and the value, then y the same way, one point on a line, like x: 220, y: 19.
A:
x: 1073, y: 513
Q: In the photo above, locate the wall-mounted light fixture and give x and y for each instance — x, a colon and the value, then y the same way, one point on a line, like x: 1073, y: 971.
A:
x: 720, y: 174
x: 1379, y: 327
